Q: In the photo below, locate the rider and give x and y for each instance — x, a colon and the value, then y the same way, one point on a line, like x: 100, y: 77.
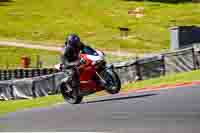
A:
x: 70, y: 61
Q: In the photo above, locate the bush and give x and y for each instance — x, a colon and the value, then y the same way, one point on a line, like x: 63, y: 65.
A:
x: 5, y: 0
x: 168, y: 1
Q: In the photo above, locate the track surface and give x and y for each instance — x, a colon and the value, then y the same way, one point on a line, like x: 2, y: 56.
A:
x: 172, y: 110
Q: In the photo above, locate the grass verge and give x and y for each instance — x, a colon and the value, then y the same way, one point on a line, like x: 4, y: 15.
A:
x: 97, y: 22
x: 167, y: 80
x: 10, y: 57
x: 15, y: 105
x: 12, y: 106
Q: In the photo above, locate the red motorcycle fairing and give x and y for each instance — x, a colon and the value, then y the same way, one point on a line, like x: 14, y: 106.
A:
x: 87, y: 74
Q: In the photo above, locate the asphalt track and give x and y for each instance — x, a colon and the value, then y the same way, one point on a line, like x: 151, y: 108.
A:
x: 172, y: 110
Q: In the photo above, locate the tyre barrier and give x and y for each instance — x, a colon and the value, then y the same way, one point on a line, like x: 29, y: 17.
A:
x: 10, y: 74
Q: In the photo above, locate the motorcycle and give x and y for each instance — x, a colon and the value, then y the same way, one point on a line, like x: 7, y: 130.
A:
x: 95, y: 75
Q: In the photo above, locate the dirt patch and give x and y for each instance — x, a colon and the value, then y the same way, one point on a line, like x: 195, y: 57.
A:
x: 137, y: 12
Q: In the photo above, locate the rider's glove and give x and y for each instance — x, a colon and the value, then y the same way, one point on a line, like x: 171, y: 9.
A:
x: 61, y: 66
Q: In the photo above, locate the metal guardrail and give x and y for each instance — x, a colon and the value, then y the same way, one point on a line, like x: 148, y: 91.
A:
x: 160, y: 65
x: 29, y: 88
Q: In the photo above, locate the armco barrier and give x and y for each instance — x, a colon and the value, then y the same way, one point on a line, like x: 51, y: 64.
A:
x: 132, y: 70
x: 180, y: 61
x: 151, y: 67
x: 160, y: 65
x: 30, y: 87
x: 6, y: 91
x: 140, y: 69
x: 126, y: 70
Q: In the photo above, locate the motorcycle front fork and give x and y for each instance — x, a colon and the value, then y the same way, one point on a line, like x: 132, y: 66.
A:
x: 101, y: 79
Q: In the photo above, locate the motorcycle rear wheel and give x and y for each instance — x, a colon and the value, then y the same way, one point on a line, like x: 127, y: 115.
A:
x: 70, y: 97
x: 113, y: 83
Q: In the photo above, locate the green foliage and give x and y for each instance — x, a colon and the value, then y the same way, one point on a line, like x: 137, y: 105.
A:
x: 165, y: 1
x: 171, y: 1
x: 11, y: 57
x: 15, y: 105
x: 169, y: 79
x: 96, y: 21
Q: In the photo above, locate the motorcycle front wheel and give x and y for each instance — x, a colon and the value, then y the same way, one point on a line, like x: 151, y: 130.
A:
x: 113, y: 83
x: 70, y: 96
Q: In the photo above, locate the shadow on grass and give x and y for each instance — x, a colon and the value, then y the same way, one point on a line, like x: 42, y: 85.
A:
x: 5, y: 2
x: 163, y: 1
x: 121, y: 98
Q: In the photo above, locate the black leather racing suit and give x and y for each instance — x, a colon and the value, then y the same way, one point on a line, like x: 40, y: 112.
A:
x: 70, y: 61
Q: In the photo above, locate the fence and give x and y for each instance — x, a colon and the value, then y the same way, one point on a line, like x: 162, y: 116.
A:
x: 138, y: 69
x: 29, y: 88
x: 160, y: 65
x: 141, y: 69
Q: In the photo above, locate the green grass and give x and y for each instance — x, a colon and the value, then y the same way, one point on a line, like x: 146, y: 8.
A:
x: 12, y: 106
x: 15, y: 105
x: 10, y: 57
x: 96, y: 21
x: 169, y: 79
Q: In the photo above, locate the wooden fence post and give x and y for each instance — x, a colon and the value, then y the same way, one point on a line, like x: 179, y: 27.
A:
x: 194, y: 59
x: 163, y: 65
x: 0, y: 75
x: 197, y: 58
x: 138, y: 72
x: 38, y: 61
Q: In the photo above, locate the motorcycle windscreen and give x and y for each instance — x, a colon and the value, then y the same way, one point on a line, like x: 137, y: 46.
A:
x: 89, y: 51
